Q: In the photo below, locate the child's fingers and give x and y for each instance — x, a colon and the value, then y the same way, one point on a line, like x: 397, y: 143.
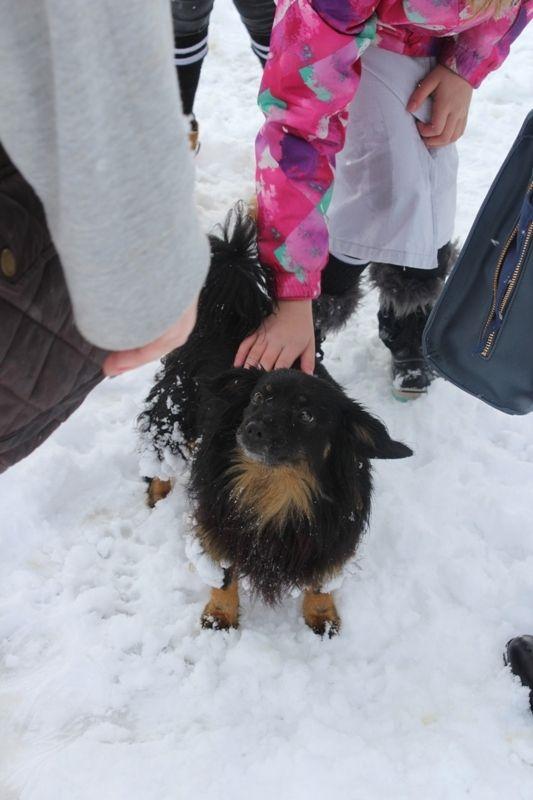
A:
x: 255, y: 356
x: 307, y: 360
x: 445, y: 137
x: 423, y: 90
x: 459, y: 130
x: 268, y: 357
x: 286, y: 358
x: 435, y: 127
x: 289, y: 355
x: 244, y: 349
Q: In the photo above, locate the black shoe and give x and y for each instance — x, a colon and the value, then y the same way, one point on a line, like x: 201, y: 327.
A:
x: 406, y: 297
x: 411, y: 374
x: 519, y: 656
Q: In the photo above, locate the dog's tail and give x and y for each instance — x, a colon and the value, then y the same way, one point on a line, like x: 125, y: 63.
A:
x: 238, y: 291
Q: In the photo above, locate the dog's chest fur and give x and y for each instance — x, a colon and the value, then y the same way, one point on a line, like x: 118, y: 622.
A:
x: 273, y: 496
x: 274, y: 525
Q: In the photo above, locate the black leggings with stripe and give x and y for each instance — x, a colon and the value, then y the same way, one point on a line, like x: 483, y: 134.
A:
x: 191, y: 22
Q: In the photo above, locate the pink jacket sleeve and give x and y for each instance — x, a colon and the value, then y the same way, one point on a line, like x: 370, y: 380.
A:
x: 480, y: 50
x: 310, y: 77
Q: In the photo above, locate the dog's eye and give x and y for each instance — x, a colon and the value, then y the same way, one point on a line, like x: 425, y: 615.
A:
x: 257, y: 399
x: 306, y: 417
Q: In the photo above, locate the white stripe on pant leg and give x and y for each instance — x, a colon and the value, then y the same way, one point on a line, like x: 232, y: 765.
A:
x: 182, y: 62
x: 260, y: 49
x: 184, y: 50
x: 260, y: 53
x: 260, y: 46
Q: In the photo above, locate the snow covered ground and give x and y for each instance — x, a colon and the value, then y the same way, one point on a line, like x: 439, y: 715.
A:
x: 109, y: 689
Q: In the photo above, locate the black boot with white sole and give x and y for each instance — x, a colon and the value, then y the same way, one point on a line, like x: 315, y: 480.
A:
x: 406, y: 297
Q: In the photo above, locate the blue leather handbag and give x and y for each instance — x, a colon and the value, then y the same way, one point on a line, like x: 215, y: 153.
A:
x: 480, y: 333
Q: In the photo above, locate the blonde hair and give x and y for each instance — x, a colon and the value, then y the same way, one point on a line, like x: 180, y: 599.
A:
x: 496, y: 7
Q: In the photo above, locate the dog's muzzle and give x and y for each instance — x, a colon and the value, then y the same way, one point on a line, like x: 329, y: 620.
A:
x: 255, y: 440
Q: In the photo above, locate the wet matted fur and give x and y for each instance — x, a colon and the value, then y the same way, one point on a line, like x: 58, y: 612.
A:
x: 280, y: 462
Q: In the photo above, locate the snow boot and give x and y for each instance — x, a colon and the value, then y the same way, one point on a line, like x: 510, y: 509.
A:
x: 411, y: 375
x: 406, y: 297
x: 519, y: 656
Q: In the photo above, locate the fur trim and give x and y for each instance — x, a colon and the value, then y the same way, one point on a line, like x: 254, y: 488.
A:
x: 447, y: 256
x: 407, y: 291
x: 331, y: 312
x: 341, y: 293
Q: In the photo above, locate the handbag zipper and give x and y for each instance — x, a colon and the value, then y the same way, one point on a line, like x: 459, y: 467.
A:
x: 510, y: 287
x: 516, y: 271
x: 492, y: 310
x: 512, y: 283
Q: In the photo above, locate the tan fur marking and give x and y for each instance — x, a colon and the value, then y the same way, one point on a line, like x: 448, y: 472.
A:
x: 320, y: 613
x: 157, y: 490
x: 275, y: 493
x: 364, y: 436
x: 252, y: 208
x: 222, y: 610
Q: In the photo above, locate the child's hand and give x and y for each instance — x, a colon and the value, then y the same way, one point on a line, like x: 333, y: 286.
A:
x: 285, y: 336
x: 451, y: 101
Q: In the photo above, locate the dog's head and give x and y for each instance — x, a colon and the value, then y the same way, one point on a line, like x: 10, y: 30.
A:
x: 290, y: 417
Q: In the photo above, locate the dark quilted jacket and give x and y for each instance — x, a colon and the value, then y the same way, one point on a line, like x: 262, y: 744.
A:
x: 46, y: 367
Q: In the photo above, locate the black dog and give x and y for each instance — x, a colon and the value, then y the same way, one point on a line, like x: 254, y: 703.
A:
x: 280, y: 472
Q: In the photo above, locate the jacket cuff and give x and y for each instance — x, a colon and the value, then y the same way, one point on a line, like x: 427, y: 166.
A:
x: 288, y: 287
x: 464, y: 62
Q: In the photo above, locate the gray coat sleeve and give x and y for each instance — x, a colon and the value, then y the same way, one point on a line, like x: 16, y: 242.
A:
x: 91, y: 117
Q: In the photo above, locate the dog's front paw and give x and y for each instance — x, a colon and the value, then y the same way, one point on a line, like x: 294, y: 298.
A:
x: 320, y: 614
x: 217, y: 620
x: 222, y: 611
x: 326, y: 627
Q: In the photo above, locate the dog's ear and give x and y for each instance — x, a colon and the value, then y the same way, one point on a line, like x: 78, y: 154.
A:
x: 371, y: 436
x: 234, y: 384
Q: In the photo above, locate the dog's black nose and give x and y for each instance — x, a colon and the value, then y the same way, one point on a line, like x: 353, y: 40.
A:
x: 255, y: 429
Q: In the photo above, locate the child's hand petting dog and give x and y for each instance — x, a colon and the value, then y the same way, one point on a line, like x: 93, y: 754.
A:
x: 285, y: 336
x: 451, y: 100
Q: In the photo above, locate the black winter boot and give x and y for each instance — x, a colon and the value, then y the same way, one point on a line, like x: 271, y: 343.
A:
x: 406, y: 297
x: 411, y: 375
x: 519, y: 656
